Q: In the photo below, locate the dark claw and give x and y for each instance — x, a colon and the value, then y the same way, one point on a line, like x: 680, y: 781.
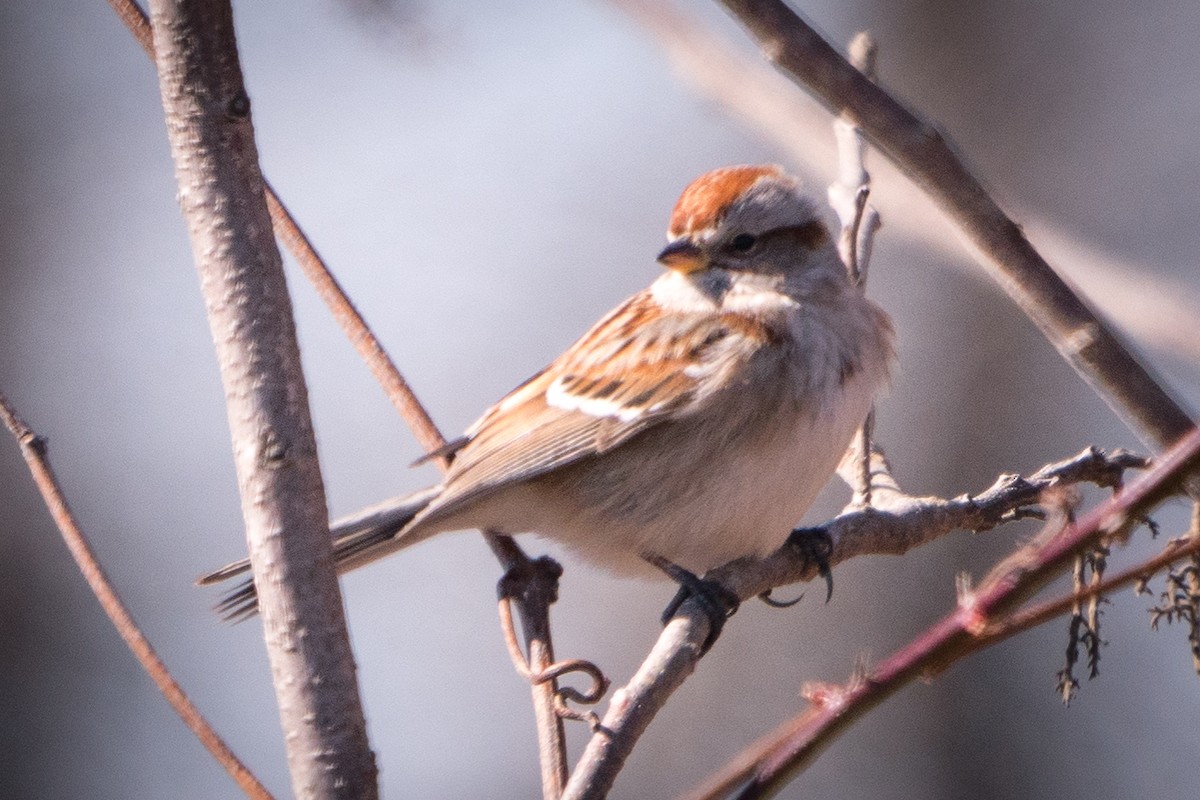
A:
x: 816, y: 546
x: 717, y: 602
x: 773, y: 603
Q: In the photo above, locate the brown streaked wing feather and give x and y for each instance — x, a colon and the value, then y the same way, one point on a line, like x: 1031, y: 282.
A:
x: 635, y: 358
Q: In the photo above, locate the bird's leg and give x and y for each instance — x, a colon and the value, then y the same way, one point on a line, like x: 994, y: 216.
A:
x: 717, y: 602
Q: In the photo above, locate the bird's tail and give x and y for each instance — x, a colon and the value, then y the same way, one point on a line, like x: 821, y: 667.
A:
x: 357, y: 540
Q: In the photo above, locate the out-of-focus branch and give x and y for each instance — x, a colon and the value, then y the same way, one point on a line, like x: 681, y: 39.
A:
x: 977, y: 622
x: 33, y: 448
x: 895, y: 524
x: 848, y: 195
x: 1085, y: 340
x: 780, y: 113
x: 275, y: 453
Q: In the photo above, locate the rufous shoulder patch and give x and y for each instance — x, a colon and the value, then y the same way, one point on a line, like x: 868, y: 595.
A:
x: 706, y: 198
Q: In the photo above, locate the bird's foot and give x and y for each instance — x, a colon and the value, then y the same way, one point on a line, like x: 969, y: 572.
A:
x: 717, y: 602
x: 815, y: 546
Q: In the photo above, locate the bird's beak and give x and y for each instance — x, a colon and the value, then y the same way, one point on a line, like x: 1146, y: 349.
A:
x: 683, y: 255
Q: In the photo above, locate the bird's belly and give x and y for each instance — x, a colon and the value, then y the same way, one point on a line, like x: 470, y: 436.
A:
x: 696, y: 495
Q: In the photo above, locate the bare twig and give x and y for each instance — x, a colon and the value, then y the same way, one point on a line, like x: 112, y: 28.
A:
x: 352, y: 323
x: 1047, y: 610
x: 848, y: 196
x: 249, y: 311
x: 534, y: 585
x: 533, y: 605
x: 894, y: 525
x: 33, y: 448
x: 539, y: 666
x: 317, y: 271
x: 977, y: 622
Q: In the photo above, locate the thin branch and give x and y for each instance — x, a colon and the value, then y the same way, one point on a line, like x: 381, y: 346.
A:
x: 347, y: 316
x: 771, y: 762
x: 848, y: 194
x: 1047, y: 610
x: 1180, y: 597
x: 33, y: 448
x: 1083, y: 339
x: 275, y: 454
x: 894, y: 525
x: 354, y: 326
x: 860, y: 221
x: 534, y: 586
x: 398, y: 390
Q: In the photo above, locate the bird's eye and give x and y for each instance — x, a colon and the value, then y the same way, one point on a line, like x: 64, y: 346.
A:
x: 743, y: 242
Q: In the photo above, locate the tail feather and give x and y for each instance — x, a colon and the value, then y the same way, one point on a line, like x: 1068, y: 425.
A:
x: 358, y: 539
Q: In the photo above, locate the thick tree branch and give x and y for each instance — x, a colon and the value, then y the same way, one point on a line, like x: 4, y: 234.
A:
x: 894, y: 525
x: 249, y: 312
x: 33, y: 448
x: 535, y: 615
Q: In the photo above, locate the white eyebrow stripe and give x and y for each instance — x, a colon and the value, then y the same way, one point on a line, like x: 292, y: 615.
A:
x: 560, y: 398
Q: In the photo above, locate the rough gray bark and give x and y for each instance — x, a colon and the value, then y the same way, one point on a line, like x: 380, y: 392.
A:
x: 249, y: 311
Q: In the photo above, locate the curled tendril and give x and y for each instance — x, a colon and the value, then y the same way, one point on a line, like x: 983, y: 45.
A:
x: 562, y: 694
x: 571, y: 666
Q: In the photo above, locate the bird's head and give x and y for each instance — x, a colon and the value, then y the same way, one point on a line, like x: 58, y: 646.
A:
x: 746, y: 219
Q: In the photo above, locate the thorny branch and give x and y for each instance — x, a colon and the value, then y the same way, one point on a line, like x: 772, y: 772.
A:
x: 895, y: 524
x: 33, y: 448
x: 1138, y: 574
x: 979, y: 621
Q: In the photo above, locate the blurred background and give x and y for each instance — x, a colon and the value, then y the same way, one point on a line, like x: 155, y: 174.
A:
x: 486, y: 179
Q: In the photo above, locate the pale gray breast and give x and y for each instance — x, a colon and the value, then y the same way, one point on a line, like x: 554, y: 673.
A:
x: 677, y: 462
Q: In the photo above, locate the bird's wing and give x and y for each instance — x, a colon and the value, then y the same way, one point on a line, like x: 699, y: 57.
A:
x: 636, y: 368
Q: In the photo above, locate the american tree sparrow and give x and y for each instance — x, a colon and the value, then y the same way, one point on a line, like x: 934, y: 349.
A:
x: 694, y: 424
